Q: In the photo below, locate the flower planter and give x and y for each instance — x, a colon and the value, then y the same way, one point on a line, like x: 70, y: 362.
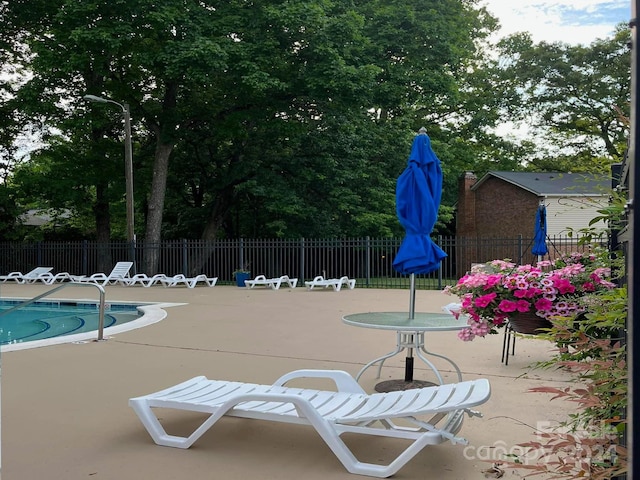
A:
x: 503, y: 291
x: 529, y: 323
x: 241, y: 277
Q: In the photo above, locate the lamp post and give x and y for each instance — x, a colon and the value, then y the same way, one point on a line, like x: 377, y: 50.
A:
x: 128, y: 160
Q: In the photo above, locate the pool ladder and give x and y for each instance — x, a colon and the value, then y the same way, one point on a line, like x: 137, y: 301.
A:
x: 60, y: 287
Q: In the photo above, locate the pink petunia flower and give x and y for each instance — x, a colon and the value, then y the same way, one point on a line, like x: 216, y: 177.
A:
x: 484, y: 300
x: 563, y: 285
x: 520, y: 293
x: 543, y: 304
x: 546, y: 282
x: 534, y: 292
x: 493, y: 280
x: 466, y: 335
x: 480, y: 329
x: 467, y: 301
x: 507, y: 306
x: 500, y: 319
x: 523, y: 306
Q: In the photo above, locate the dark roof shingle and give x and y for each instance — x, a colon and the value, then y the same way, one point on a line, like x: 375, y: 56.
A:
x: 554, y: 183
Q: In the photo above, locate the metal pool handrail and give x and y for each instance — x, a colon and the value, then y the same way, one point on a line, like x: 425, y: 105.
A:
x: 60, y: 287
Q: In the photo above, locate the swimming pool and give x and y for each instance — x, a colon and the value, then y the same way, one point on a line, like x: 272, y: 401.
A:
x: 63, y: 321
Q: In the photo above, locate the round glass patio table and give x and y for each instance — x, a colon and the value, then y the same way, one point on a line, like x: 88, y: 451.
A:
x: 410, y: 333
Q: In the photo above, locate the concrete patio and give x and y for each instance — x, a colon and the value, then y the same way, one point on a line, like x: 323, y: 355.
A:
x: 65, y: 414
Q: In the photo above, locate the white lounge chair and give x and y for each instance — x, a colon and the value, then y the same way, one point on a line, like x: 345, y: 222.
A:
x: 331, y: 413
x: 29, y: 277
x: 143, y: 279
x: 335, y: 283
x: 15, y: 276
x: 190, y: 282
x: 119, y: 273
x: 49, y: 278
x: 273, y: 283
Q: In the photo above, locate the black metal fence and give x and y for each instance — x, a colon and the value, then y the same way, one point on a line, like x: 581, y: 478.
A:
x: 369, y: 260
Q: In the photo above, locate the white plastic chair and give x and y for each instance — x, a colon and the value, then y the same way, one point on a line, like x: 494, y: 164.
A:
x: 273, y: 283
x: 119, y: 273
x: 190, y: 282
x: 335, y: 283
x: 332, y: 413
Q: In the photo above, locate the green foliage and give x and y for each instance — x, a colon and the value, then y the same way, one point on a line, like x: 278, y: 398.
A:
x: 9, y: 213
x: 578, y: 96
x: 593, y: 348
x: 281, y: 118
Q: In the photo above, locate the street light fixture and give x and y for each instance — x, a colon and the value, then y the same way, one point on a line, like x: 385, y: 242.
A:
x: 128, y: 160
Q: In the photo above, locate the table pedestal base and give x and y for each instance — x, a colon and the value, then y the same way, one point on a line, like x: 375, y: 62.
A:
x: 397, y: 385
x: 412, y: 342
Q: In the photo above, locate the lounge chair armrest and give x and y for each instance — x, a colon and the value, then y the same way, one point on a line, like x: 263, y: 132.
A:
x: 344, y: 381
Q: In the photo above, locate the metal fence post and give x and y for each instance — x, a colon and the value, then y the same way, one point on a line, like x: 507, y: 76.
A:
x: 132, y: 254
x: 241, y: 254
x: 185, y: 260
x: 302, y: 269
x: 39, y: 253
x: 85, y: 257
x: 367, y: 265
x: 520, y: 252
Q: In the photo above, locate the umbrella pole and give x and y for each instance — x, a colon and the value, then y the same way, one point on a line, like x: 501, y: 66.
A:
x: 412, y: 296
x: 408, y: 365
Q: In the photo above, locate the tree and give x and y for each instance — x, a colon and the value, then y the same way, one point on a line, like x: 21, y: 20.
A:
x: 575, y: 96
x: 264, y: 118
x: 299, y: 140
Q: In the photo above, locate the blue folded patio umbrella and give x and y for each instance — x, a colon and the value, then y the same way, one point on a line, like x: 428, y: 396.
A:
x: 418, y: 193
x: 540, y: 232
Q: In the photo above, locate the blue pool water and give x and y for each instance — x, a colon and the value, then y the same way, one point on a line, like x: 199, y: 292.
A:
x: 42, y: 320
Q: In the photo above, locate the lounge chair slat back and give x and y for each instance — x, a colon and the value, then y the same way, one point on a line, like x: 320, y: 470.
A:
x: 119, y: 272
x: 36, y: 272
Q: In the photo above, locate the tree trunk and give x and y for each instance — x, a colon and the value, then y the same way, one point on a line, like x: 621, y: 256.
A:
x: 210, y: 233
x: 216, y: 218
x: 156, y: 206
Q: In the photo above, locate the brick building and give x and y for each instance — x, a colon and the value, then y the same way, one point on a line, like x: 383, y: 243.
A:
x: 503, y: 205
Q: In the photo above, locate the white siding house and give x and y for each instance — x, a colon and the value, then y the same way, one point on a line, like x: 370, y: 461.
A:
x: 504, y: 204
x: 572, y: 213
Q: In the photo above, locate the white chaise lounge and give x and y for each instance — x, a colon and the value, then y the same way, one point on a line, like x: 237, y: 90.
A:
x: 331, y: 413
x: 143, y: 279
x: 190, y: 282
x: 29, y: 277
x: 49, y: 278
x: 119, y: 273
x: 15, y: 276
x: 335, y: 283
x: 273, y: 283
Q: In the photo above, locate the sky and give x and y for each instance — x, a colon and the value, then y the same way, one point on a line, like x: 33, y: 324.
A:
x: 569, y: 21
